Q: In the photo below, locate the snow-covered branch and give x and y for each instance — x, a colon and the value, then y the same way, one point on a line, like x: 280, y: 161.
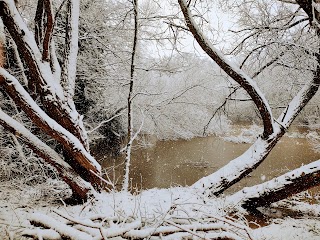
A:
x: 68, y: 76
x: 278, y: 188
x: 79, y: 187
x: 233, y: 71
x: 81, y: 158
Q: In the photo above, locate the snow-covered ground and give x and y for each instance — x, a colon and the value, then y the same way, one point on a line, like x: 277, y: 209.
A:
x: 173, y: 213
x: 164, y: 213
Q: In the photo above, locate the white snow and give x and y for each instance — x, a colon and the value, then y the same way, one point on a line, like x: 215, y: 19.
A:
x: 11, y: 80
x: 123, y: 213
x: 62, y: 229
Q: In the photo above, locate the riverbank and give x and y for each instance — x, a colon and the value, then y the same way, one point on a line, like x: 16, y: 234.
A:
x: 294, y: 219
x: 167, y: 163
x: 158, y: 209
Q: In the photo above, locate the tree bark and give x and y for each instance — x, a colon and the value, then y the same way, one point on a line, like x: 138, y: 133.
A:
x: 80, y: 159
x: 279, y: 188
x: 79, y: 187
x: 51, y: 94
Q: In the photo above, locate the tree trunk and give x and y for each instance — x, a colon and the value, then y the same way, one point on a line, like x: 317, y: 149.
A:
x: 79, y: 187
x: 61, y: 121
x: 278, y: 188
x: 125, y: 185
x: 51, y: 93
x: 80, y: 159
x: 240, y: 167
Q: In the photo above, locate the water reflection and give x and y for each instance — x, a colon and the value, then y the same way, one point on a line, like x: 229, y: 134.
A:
x: 183, y: 162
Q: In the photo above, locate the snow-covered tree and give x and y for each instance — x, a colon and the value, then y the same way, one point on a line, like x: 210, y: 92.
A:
x: 274, y: 128
x: 47, y: 98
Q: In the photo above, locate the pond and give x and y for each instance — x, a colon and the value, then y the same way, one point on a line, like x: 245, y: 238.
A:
x: 183, y: 162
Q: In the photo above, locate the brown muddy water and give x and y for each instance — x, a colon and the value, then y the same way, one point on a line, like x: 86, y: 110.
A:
x: 183, y: 162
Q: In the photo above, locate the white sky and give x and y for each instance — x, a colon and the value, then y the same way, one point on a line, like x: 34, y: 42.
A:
x: 220, y: 23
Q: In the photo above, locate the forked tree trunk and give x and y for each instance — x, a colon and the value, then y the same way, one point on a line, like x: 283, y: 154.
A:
x: 60, y: 120
x: 240, y: 167
x: 57, y: 106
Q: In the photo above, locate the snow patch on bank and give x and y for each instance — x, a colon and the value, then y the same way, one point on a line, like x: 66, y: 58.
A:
x: 155, y: 208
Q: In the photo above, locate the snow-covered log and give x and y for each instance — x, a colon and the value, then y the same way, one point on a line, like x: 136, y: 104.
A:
x: 40, y: 75
x: 65, y: 231
x: 79, y: 187
x: 278, y: 188
x: 80, y: 160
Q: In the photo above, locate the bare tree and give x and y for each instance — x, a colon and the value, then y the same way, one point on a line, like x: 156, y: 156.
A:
x: 130, y: 97
x: 57, y: 116
x: 274, y: 129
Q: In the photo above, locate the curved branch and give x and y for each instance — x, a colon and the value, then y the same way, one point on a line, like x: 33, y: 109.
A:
x: 234, y: 72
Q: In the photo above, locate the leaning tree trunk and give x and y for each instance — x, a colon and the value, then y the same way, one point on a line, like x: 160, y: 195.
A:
x: 83, y: 162
x: 279, y: 188
x: 58, y: 118
x: 79, y: 187
x: 240, y: 167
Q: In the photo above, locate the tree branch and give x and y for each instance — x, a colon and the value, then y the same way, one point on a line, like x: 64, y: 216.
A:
x: 81, y: 159
x: 48, y: 32
x: 279, y: 188
x: 79, y: 187
x: 234, y: 72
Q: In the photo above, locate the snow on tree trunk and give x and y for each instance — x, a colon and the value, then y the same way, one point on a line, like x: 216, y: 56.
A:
x: 51, y: 93
x: 79, y: 187
x: 278, y: 188
x: 60, y: 120
x: 240, y: 167
x: 130, y: 126
x: 81, y: 160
